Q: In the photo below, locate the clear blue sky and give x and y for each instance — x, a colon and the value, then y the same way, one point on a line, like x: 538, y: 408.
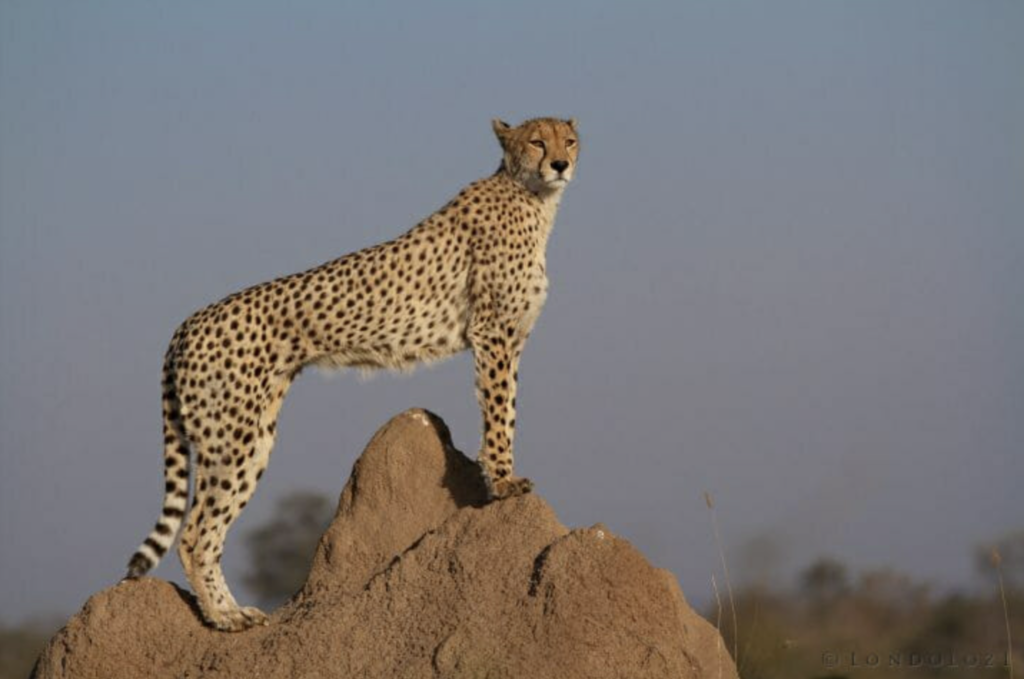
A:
x: 790, y: 270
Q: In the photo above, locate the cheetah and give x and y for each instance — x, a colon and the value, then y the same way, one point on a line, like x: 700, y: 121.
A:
x: 470, y: 276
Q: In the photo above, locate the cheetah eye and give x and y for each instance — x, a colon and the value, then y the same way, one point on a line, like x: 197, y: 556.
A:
x: 538, y: 144
x: 569, y: 143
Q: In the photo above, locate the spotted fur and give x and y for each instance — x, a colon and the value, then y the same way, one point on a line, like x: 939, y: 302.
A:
x: 470, y: 276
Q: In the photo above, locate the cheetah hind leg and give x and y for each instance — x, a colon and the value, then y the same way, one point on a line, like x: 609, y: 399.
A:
x: 200, y: 550
x: 202, y: 542
x: 218, y: 605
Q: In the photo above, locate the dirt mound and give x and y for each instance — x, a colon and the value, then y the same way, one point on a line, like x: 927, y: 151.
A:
x: 417, y: 578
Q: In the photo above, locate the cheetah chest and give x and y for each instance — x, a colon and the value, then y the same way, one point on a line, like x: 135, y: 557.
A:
x: 535, y: 295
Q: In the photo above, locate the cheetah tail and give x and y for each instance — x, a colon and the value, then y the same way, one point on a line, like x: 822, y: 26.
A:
x: 176, y: 475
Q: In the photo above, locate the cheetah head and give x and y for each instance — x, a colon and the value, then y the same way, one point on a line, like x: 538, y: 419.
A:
x: 540, y: 153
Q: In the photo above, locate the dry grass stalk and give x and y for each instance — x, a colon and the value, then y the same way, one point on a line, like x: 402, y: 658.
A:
x: 710, y: 502
x: 718, y: 622
x: 997, y: 562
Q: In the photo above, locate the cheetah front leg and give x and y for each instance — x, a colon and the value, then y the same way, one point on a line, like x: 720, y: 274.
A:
x: 496, y: 360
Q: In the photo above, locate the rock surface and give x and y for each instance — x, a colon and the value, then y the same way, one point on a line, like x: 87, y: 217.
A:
x: 417, y: 577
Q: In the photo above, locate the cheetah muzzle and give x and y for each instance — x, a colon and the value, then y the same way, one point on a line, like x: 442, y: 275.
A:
x: 470, y: 276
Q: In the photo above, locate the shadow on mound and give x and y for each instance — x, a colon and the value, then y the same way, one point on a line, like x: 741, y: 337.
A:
x: 418, y: 577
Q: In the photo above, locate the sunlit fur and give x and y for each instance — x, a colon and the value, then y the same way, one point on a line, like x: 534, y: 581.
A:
x: 470, y: 276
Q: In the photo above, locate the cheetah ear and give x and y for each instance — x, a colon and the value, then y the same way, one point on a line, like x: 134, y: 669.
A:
x: 501, y: 130
x: 572, y: 123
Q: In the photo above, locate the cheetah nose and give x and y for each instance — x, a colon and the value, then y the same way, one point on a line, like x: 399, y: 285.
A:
x: 560, y: 165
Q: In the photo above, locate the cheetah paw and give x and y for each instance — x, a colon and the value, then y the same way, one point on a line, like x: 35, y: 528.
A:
x: 511, y: 487
x: 240, y: 619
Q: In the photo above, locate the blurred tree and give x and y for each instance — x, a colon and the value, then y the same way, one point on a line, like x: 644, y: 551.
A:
x: 895, y: 589
x: 759, y: 560
x: 824, y: 580
x: 886, y: 599
x: 281, y: 551
x: 21, y: 645
x: 849, y: 617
